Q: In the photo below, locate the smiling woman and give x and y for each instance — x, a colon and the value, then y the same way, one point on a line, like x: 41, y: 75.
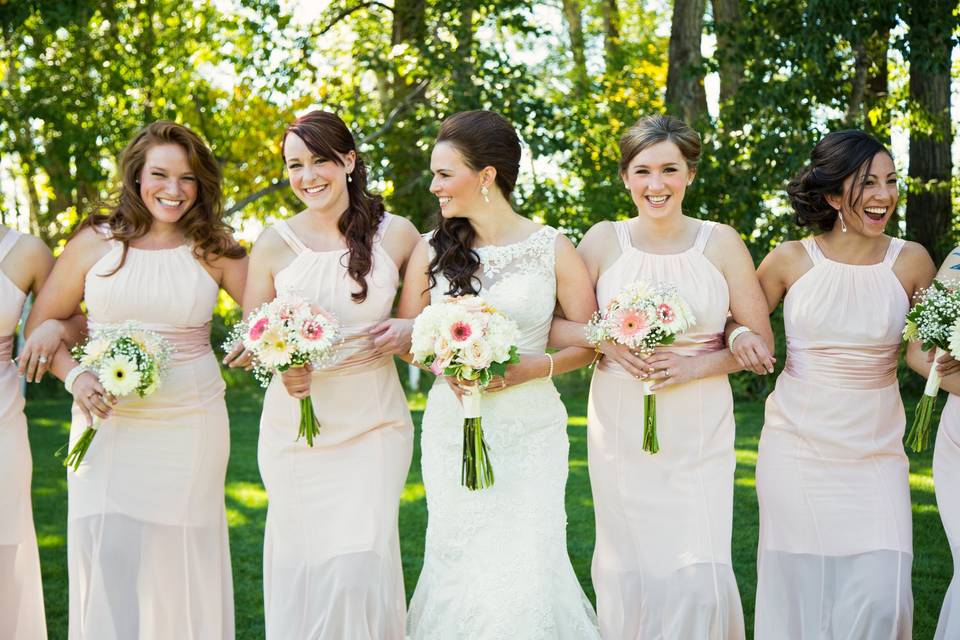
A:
x: 147, y: 533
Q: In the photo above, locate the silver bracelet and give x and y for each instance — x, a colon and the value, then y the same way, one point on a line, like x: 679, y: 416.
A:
x: 736, y: 333
x: 71, y: 377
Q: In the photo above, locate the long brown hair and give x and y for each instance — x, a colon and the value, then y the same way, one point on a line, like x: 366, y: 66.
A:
x: 483, y: 139
x: 328, y: 137
x: 202, y: 225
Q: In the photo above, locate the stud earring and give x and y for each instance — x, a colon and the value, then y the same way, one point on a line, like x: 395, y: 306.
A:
x: 843, y: 225
x: 485, y: 192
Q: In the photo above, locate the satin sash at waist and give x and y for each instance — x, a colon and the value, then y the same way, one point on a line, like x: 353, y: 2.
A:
x: 850, y: 367
x: 355, y: 353
x: 187, y: 343
x: 688, y: 345
x: 6, y: 349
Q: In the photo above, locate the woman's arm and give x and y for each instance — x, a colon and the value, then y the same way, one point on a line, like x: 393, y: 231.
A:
x: 393, y: 334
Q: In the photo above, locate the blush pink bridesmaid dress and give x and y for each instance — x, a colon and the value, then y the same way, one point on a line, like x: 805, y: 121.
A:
x: 946, y: 479
x: 331, y: 557
x: 662, y: 567
x: 835, y: 551
x: 21, y: 595
x: 147, y: 544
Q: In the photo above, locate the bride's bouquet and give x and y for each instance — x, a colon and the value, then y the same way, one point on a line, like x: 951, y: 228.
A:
x: 126, y: 359
x: 643, y: 317
x: 467, y: 339
x: 932, y: 322
x: 288, y: 332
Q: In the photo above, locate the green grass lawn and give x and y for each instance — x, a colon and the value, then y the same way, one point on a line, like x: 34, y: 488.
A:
x: 246, y: 509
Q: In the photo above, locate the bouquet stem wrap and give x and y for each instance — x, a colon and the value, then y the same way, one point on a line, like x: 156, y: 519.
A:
x: 919, y: 436
x: 650, y: 442
x: 309, y: 426
x: 476, y: 472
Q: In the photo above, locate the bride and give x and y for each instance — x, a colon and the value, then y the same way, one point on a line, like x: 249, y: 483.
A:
x: 496, y: 564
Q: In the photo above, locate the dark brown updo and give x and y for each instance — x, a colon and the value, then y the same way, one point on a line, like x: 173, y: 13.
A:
x: 483, y: 139
x: 836, y: 157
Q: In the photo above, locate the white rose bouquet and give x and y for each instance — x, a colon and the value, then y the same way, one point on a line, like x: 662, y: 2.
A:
x: 643, y: 317
x: 288, y: 332
x: 467, y: 339
x: 126, y: 359
x: 932, y: 322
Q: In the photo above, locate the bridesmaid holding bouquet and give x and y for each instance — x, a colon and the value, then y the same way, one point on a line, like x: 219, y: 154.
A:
x: 835, y: 550
x: 331, y: 558
x: 662, y: 563
x: 946, y: 456
x: 147, y: 545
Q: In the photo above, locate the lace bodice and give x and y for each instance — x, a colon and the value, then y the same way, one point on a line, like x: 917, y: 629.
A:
x: 520, y: 280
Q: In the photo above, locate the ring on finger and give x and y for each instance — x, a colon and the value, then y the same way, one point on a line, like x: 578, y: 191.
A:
x: 43, y: 359
x: 666, y: 373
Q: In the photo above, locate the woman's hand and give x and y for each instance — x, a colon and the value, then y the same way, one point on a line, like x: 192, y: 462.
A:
x: 671, y: 369
x: 91, y: 397
x: 752, y: 354
x: 239, y: 357
x: 37, y: 354
x: 946, y: 364
x: 392, y: 336
x: 630, y: 361
x: 297, y: 381
x: 530, y: 367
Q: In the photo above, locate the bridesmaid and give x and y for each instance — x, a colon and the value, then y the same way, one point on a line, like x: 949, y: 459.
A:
x: 147, y: 546
x: 662, y: 565
x: 946, y: 459
x: 331, y: 550
x: 835, y: 548
x: 25, y: 263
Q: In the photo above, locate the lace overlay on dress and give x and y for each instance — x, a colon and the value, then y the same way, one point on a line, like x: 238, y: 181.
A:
x: 496, y: 563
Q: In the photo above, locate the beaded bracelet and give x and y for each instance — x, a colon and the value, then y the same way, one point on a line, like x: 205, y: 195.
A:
x: 550, y: 373
x: 71, y: 377
x: 736, y: 333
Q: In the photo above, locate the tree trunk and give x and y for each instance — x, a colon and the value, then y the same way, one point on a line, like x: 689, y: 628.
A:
x: 928, y: 200
x: 685, y: 95
x: 875, y: 98
x: 610, y: 13
x: 726, y: 16
x: 464, y: 92
x: 571, y: 11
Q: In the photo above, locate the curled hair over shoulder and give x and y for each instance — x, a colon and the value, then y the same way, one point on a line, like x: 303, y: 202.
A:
x: 483, y: 139
x: 328, y: 137
x: 202, y: 225
x: 836, y: 157
x: 651, y: 130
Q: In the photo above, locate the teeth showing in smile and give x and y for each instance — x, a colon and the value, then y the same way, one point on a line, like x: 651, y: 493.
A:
x: 444, y: 200
x: 876, y: 211
x: 314, y: 190
x: 169, y: 203
x: 657, y: 199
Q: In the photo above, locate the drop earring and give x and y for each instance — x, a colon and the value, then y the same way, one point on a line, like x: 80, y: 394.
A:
x: 349, y: 178
x: 485, y: 192
x: 843, y: 225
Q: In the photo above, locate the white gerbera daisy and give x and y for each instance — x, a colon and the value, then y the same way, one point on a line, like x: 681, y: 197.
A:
x: 119, y: 375
x: 274, y: 349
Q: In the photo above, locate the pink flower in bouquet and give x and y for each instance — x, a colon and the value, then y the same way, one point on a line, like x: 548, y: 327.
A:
x: 312, y: 330
x: 461, y: 331
x: 665, y: 313
x: 631, y: 324
x: 258, y: 327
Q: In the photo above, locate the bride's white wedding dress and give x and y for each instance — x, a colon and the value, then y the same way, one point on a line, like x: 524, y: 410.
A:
x: 496, y: 563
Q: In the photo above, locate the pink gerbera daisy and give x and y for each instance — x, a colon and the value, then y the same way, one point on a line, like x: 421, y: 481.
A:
x: 631, y: 323
x: 258, y: 328
x: 460, y: 331
x: 665, y: 313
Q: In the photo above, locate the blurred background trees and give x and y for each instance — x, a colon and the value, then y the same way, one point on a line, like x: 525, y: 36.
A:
x: 762, y: 80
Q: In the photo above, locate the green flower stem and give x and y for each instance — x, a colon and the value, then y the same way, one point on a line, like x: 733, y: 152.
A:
x: 79, y: 449
x: 476, y: 472
x: 650, y: 442
x: 309, y: 427
x: 919, y: 436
